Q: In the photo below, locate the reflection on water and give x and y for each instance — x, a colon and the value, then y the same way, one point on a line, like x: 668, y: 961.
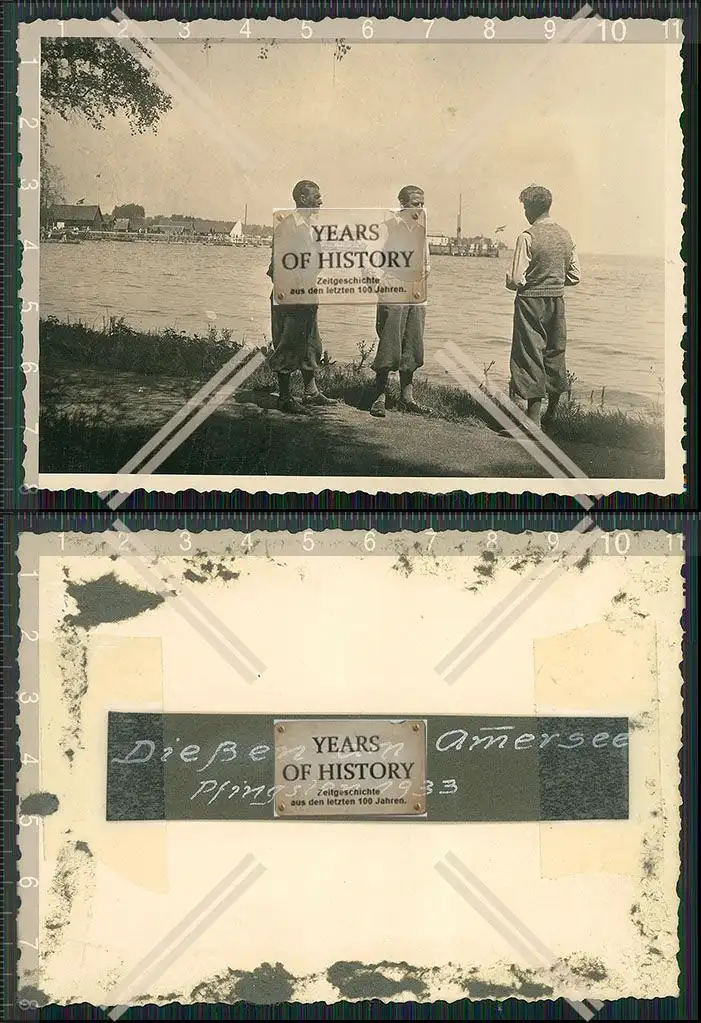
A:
x: 615, y: 317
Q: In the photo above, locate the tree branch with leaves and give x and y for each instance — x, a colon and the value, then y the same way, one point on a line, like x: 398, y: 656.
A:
x: 93, y: 79
x: 98, y: 78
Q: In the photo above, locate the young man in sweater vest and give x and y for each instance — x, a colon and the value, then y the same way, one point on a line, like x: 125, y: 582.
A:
x: 544, y: 264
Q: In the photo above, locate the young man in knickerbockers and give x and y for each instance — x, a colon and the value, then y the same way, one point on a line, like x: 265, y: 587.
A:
x: 295, y: 331
x: 400, y: 330
x: 545, y: 263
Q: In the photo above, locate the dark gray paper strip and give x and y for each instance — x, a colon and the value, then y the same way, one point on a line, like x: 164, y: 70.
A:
x: 222, y: 767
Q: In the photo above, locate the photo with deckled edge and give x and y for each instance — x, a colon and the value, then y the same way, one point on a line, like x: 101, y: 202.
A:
x: 119, y: 904
x: 356, y: 450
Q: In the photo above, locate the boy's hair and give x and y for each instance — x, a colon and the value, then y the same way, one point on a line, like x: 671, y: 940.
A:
x: 301, y: 188
x: 537, y: 197
x: 407, y: 190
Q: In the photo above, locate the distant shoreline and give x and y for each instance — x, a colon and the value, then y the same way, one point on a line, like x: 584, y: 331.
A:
x: 508, y: 251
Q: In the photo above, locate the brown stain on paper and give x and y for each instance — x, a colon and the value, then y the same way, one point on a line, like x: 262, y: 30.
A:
x: 385, y: 980
x: 108, y: 599
x: 39, y: 804
x: 403, y: 565
x: 267, y: 984
x: 99, y: 601
x: 206, y: 569
x: 74, y: 878
x: 377, y: 980
x: 72, y: 658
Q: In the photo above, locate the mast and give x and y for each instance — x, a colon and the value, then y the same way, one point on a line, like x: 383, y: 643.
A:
x: 459, y: 232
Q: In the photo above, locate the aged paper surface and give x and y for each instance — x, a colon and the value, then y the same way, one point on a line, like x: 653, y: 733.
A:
x: 361, y: 625
x: 161, y: 364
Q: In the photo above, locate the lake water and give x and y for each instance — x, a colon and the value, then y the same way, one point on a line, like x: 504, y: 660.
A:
x: 615, y: 317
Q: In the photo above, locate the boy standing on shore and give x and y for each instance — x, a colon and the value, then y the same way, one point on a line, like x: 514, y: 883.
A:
x: 295, y: 330
x: 400, y: 330
x: 545, y: 263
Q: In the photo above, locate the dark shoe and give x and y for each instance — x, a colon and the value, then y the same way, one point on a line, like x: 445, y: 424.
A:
x: 292, y: 407
x: 377, y: 408
x: 547, y: 421
x: 319, y: 399
x: 414, y: 407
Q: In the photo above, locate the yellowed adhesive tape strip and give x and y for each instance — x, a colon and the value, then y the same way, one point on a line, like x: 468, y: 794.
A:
x: 590, y: 847
x: 81, y: 680
x: 602, y: 668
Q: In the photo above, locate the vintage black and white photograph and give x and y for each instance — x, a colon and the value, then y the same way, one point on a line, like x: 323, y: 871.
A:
x: 545, y: 350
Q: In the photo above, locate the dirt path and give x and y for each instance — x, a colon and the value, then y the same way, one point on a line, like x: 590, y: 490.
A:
x: 248, y: 435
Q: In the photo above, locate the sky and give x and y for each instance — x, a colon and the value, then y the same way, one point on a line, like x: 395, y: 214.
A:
x: 585, y: 120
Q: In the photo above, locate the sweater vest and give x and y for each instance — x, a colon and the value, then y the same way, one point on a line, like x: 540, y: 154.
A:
x: 551, y: 253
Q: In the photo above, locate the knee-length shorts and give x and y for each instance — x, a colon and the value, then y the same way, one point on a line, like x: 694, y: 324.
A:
x: 296, y: 339
x: 400, y: 330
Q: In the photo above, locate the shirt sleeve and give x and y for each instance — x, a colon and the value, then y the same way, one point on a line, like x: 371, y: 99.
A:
x: 520, y: 263
x: 574, y: 274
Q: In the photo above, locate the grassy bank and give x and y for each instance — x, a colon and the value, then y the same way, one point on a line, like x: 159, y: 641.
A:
x: 86, y: 373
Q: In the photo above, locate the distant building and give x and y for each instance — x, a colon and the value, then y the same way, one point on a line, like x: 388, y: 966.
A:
x: 178, y: 226
x: 121, y: 224
x: 212, y: 227
x: 219, y: 231
x: 79, y: 216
